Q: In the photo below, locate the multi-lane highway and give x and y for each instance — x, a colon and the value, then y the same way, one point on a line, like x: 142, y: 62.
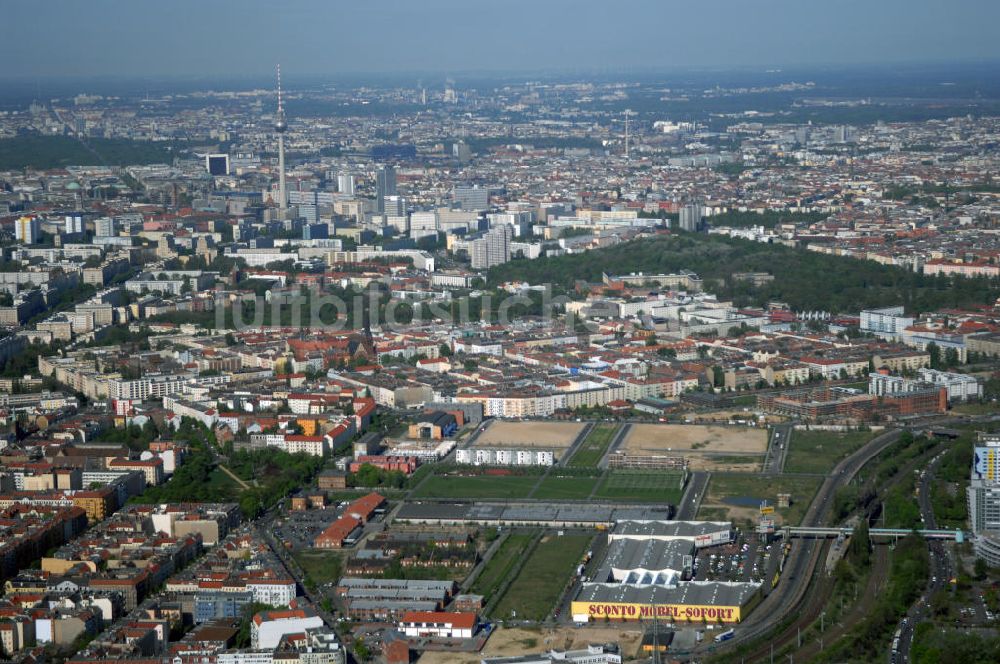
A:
x: 790, y: 592
x: 774, y: 460
x: 694, y: 493
x: 941, y: 569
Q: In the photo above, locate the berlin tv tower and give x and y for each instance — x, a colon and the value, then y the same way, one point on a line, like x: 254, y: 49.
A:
x: 281, y: 126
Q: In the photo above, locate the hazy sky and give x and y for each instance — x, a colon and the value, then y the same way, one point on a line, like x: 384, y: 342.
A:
x: 246, y: 37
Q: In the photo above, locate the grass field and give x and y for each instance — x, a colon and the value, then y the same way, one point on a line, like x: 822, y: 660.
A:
x: 566, y: 488
x: 480, y: 486
x: 224, y: 482
x: 745, y: 463
x: 758, y: 488
x: 321, y: 566
x: 541, y: 581
x: 977, y: 408
x: 501, y: 564
x: 592, y: 449
x: 819, y: 451
x: 638, y: 486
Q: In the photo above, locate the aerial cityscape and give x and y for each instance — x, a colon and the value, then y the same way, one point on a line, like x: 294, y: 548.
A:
x: 510, y: 334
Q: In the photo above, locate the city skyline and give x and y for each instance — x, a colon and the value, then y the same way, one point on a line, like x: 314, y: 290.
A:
x: 425, y: 332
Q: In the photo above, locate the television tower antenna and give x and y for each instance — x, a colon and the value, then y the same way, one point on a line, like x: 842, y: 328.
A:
x: 281, y: 126
x: 627, y: 112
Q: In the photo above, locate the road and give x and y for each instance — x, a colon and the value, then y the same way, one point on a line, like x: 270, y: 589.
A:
x: 777, y: 448
x: 577, y: 442
x: 941, y: 566
x: 615, y: 443
x: 265, y: 531
x: 785, y: 599
x: 693, y: 495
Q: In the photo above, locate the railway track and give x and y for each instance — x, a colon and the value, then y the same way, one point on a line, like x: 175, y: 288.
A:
x: 790, y: 596
x: 821, y: 587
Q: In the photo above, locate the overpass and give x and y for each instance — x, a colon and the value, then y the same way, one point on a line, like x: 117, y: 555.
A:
x: 895, y: 533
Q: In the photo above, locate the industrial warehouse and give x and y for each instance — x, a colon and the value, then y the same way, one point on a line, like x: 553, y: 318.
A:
x: 647, y: 572
x: 553, y: 515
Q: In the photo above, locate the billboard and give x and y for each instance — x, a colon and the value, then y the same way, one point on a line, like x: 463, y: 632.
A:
x: 713, y: 538
x: 676, y: 612
x: 984, y: 462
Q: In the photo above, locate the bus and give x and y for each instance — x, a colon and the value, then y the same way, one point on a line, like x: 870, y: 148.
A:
x: 725, y: 636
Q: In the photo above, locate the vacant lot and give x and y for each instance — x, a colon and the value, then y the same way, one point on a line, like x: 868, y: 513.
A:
x: 725, y: 416
x: 592, y: 449
x: 819, y: 451
x: 507, y: 642
x: 321, y: 566
x: 520, y: 435
x: 542, y: 579
x: 501, y: 564
x: 659, y: 438
x: 740, y: 496
x: 477, y: 486
x: 727, y: 463
x: 641, y: 486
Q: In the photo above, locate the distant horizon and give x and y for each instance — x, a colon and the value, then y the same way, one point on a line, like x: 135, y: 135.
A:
x: 290, y: 75
x: 245, y: 38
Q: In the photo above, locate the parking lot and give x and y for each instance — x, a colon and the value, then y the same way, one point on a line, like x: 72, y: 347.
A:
x: 301, y: 528
x: 747, y: 559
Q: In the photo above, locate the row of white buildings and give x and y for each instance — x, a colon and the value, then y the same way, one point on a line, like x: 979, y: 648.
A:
x: 484, y: 456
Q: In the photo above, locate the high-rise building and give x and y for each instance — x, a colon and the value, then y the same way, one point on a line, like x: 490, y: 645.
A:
x: 74, y: 223
x: 105, y: 227
x: 471, y: 198
x: 217, y: 164
x: 310, y: 213
x: 302, y: 198
x: 690, y: 217
x: 385, y: 185
x: 393, y: 206
x: 493, y: 248
x: 345, y: 184
x: 27, y: 229
x: 315, y: 232
x: 886, y: 323
x: 423, y: 223
x: 983, y: 497
x: 842, y: 134
x: 460, y: 151
x: 521, y: 222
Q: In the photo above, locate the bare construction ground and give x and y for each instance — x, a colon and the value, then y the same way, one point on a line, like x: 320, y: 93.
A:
x: 507, y: 642
x: 731, y: 464
x: 728, y: 415
x: 661, y: 438
x: 523, y: 435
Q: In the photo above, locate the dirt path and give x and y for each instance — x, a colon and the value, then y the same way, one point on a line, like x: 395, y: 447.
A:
x: 233, y: 476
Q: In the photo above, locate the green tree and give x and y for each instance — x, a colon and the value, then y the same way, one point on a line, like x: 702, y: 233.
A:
x: 980, y: 569
x: 362, y: 650
x: 935, y: 354
x: 859, y: 550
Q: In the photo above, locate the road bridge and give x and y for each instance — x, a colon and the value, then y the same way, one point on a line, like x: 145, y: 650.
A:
x: 846, y: 531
